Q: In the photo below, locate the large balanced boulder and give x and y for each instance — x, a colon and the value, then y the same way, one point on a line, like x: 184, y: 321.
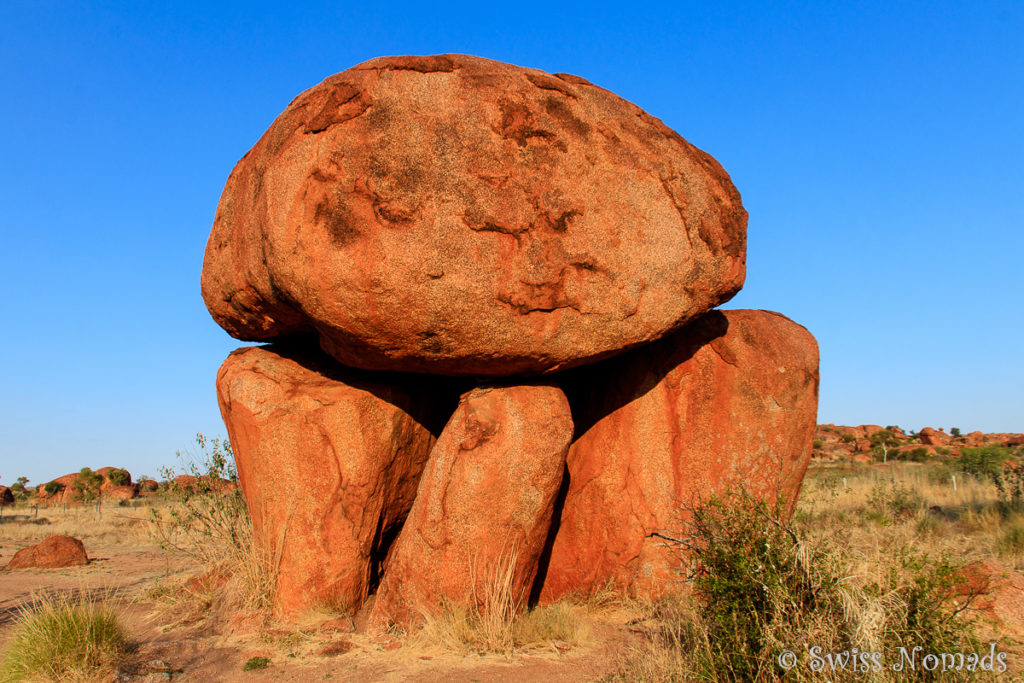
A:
x: 456, y: 215
x: 728, y: 401
x: 52, y: 552
x: 329, y: 461
x: 484, y: 505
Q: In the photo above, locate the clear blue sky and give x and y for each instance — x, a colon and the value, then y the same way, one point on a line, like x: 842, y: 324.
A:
x: 878, y: 146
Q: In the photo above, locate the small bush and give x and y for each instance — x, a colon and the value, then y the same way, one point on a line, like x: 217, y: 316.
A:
x: 887, y: 503
x: 1009, y: 482
x: 18, y: 489
x: 87, y: 485
x: 819, y: 444
x: 848, y: 438
x: 119, y: 477
x: 212, y: 525
x: 255, y: 664
x: 751, y: 576
x: 761, y: 586
x: 60, y: 637
x: 983, y: 462
x: 52, y: 488
x: 919, y: 454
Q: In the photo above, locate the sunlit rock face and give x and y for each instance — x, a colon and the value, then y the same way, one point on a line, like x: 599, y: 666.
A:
x: 456, y: 215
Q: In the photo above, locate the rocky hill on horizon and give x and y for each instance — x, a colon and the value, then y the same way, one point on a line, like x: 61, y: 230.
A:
x: 867, y: 443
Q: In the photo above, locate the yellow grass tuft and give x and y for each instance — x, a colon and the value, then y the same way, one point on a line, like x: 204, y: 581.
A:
x: 497, y: 621
x: 61, y: 637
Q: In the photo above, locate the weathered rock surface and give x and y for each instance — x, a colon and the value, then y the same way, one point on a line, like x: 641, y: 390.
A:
x: 997, y: 597
x: 50, y: 553
x: 484, y: 503
x: 64, y: 493
x: 729, y: 400
x: 456, y: 215
x: 930, y: 437
x: 329, y: 461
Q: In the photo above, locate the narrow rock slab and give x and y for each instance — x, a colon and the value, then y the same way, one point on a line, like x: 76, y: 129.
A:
x: 484, y: 503
x: 329, y: 461
x: 729, y: 400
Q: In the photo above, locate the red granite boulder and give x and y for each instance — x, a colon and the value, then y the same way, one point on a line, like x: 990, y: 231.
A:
x: 483, y: 506
x: 329, y: 461
x: 461, y: 216
x: 930, y: 437
x: 53, y: 552
x: 728, y: 401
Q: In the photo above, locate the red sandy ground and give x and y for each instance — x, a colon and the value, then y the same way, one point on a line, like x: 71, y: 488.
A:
x: 202, y: 655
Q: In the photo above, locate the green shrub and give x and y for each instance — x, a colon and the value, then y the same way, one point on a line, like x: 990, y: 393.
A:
x: 52, y: 488
x: 893, y: 501
x: 983, y: 462
x: 848, y: 438
x: 60, y: 637
x: 255, y: 664
x: 119, y: 477
x: 87, y: 484
x: 761, y: 586
x: 18, y: 489
x: 744, y: 564
x: 919, y: 454
x: 818, y: 444
x: 882, y: 443
x: 955, y: 431
x: 1009, y: 481
x: 211, y: 524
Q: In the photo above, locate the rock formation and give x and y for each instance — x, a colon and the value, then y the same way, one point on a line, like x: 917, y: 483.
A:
x: 52, y: 552
x: 728, y: 401
x: 329, y: 462
x: 930, y: 437
x: 457, y: 215
x: 839, y: 442
x: 462, y: 218
x: 68, y: 488
x: 484, y: 503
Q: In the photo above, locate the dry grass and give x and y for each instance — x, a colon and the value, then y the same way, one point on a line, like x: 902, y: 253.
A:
x: 497, y: 621
x: 881, y: 542
x: 112, y: 525
x: 924, y: 510
x: 210, y: 523
x: 214, y: 529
